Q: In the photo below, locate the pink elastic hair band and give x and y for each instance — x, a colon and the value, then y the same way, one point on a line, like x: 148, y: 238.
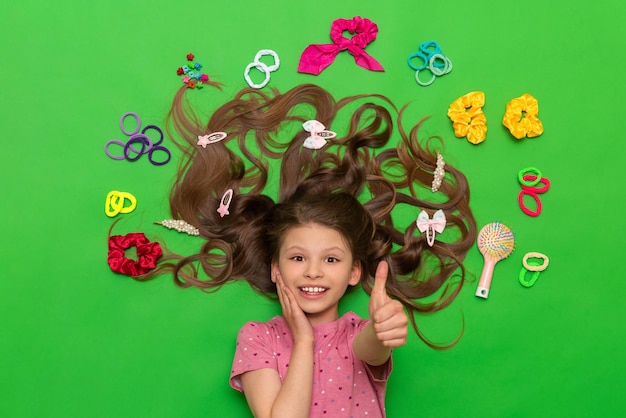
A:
x: 316, y: 57
x: 533, y: 192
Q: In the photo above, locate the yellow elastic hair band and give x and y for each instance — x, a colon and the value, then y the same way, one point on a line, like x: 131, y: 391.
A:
x: 115, y: 201
x: 468, y: 119
x: 521, y: 117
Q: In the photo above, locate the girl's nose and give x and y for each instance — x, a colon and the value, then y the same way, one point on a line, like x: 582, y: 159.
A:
x: 313, y: 270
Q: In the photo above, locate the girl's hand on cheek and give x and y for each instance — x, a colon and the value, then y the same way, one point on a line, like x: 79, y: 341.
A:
x: 297, y: 321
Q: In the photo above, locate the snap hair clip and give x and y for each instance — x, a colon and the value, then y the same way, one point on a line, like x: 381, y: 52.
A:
x: 431, y: 226
x: 318, y: 136
x: 225, y: 203
x: 204, y: 140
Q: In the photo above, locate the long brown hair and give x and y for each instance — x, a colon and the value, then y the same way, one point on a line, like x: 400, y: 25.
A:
x: 353, y: 184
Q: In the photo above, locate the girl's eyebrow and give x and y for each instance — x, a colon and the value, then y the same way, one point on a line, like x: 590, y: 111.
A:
x: 329, y: 249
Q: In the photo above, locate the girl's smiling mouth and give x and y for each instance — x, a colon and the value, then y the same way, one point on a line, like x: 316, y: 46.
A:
x: 313, y: 290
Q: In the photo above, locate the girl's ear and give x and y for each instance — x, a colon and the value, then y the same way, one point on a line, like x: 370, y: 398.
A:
x: 273, y: 271
x: 355, y: 276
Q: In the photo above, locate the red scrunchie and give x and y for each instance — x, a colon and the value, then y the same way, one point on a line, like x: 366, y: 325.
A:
x: 147, y: 254
x: 316, y: 57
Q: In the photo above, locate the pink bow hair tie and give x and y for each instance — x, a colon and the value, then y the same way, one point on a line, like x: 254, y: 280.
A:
x: 431, y: 226
x: 316, y: 57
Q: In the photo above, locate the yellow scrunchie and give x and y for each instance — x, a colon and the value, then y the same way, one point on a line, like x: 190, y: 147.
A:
x: 521, y: 117
x: 468, y: 118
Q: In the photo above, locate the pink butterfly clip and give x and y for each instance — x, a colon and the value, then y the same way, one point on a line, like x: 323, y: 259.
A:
x: 319, y: 134
x: 430, y: 226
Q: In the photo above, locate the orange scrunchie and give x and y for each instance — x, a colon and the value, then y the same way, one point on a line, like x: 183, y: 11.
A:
x: 521, y: 117
x: 468, y: 118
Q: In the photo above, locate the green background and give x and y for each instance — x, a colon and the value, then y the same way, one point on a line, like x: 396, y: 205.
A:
x: 77, y: 340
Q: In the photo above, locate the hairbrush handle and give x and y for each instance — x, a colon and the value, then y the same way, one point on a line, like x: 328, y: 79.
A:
x: 485, y: 278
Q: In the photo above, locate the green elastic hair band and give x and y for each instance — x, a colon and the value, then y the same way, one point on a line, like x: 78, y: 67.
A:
x: 529, y: 170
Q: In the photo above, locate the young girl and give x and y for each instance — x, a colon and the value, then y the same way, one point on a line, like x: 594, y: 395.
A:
x: 330, y: 229
x: 310, y: 362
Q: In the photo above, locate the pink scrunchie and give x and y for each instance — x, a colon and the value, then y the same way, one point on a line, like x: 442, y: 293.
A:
x: 316, y: 57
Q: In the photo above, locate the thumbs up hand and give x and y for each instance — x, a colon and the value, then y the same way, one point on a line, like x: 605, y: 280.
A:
x: 388, y: 316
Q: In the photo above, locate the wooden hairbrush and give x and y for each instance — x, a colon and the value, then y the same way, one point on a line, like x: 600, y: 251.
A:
x: 495, y: 242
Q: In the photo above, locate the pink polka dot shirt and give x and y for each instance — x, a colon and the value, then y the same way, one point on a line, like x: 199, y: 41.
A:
x: 343, y: 386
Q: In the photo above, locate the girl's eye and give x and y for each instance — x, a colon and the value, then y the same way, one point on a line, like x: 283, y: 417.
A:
x: 297, y: 258
x: 331, y: 260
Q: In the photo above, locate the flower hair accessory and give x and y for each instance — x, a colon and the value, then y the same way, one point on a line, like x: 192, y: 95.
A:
x: 147, y: 254
x: 439, y: 173
x: 521, y: 117
x: 468, y: 118
x: 431, y: 226
x: 318, y: 136
x: 192, y: 76
x: 316, y: 57
x: 180, y: 226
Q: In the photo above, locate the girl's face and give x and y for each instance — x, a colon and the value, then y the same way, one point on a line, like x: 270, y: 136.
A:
x: 317, y: 266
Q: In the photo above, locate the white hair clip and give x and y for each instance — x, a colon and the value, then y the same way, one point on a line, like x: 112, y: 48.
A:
x: 319, y: 134
x: 430, y: 226
x: 439, y: 173
x: 180, y: 226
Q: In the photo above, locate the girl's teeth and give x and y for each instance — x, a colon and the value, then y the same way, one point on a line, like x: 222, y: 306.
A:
x: 313, y: 289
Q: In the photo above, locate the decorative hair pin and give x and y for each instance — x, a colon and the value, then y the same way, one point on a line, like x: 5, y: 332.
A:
x: 439, y: 173
x: 430, y: 226
x: 180, y: 226
x: 225, y: 203
x: 212, y: 138
x: 319, y: 134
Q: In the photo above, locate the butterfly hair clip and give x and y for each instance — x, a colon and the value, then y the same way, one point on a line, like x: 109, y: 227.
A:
x: 432, y: 226
x: 319, y: 134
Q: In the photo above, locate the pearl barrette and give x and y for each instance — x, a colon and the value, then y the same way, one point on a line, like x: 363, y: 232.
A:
x: 439, y: 173
x: 180, y: 226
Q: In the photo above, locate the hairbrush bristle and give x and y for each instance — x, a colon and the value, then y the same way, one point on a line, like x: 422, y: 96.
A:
x: 496, y: 240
